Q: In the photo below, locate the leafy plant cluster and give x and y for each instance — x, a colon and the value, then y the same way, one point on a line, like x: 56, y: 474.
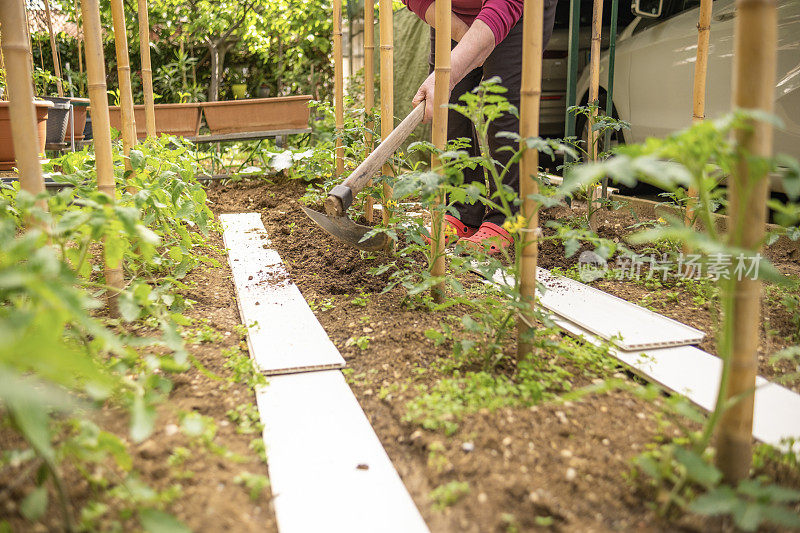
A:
x: 63, y: 353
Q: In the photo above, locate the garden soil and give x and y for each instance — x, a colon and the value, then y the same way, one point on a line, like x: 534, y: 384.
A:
x: 562, y: 465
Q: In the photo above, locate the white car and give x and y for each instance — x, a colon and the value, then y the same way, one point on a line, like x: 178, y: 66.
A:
x: 654, y: 70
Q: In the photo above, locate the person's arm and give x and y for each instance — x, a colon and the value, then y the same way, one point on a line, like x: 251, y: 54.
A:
x: 471, y: 51
x: 457, y: 26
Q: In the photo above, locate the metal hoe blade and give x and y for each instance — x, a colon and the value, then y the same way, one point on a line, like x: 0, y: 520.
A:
x: 348, y: 231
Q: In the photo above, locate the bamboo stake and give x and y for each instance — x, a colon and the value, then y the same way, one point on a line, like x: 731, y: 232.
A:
x: 147, y: 70
x: 699, y: 89
x: 3, y: 66
x: 53, y: 49
x: 101, y: 125
x: 530, y: 96
x: 369, y: 87
x: 594, y: 99
x: 594, y: 74
x: 441, y: 95
x: 387, y: 89
x: 28, y: 37
x: 338, y: 85
x: 124, y: 74
x: 16, y: 48
x: 80, y: 38
x: 754, y: 64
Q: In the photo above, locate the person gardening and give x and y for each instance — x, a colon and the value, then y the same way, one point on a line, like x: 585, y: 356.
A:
x: 487, y: 42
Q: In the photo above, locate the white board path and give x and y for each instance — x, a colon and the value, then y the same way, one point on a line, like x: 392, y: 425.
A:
x: 327, y: 468
x: 613, y: 319
x: 695, y: 374
x: 283, y: 334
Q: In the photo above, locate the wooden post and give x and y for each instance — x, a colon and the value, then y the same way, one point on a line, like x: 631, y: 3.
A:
x: 147, y: 70
x: 594, y: 74
x: 16, y: 50
x: 124, y: 74
x: 530, y: 96
x: 754, y: 64
x: 369, y: 86
x: 101, y: 126
x: 387, y: 88
x: 53, y: 49
x: 441, y: 95
x: 699, y: 90
x: 338, y: 85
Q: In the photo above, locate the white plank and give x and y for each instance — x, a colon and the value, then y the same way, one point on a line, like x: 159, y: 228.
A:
x: 283, y: 334
x: 695, y: 374
x: 618, y: 321
x: 327, y: 468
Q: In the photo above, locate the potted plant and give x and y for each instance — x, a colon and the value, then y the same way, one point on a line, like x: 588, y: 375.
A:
x: 7, y: 157
x: 58, y: 114
x: 238, y: 82
x: 258, y: 114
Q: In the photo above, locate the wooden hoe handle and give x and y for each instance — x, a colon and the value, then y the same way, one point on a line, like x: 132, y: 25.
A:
x: 341, y: 197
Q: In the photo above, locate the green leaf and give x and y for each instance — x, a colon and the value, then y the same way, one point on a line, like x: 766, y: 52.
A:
x: 697, y: 469
x: 155, y: 521
x: 783, y: 517
x: 143, y: 418
x: 137, y: 160
x: 127, y: 306
x: 35, y: 504
x: 749, y: 516
x: 719, y: 501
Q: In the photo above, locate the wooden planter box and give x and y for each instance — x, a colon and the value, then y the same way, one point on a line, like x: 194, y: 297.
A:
x: 7, y: 157
x: 257, y: 114
x: 181, y: 120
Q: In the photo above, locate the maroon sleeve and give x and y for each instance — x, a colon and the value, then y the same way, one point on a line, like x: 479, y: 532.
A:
x: 499, y: 15
x: 419, y: 7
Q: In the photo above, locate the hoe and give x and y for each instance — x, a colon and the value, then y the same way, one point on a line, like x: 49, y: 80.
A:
x: 335, y: 220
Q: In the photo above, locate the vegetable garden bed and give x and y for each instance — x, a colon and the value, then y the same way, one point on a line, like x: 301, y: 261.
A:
x: 496, y: 449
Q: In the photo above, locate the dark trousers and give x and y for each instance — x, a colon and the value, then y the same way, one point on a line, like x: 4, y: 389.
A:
x: 505, y: 61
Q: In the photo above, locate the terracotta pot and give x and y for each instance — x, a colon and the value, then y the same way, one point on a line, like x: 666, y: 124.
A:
x: 7, y: 159
x: 80, y: 107
x: 182, y: 120
x: 259, y: 114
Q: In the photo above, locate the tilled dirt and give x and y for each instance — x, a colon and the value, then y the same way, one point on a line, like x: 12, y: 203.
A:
x: 562, y: 464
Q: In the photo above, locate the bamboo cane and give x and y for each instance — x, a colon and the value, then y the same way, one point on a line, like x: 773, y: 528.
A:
x: 16, y: 47
x: 369, y: 87
x: 338, y: 85
x: 101, y: 125
x: 441, y: 95
x: 754, y: 64
x: 530, y: 96
x: 147, y: 70
x: 699, y: 89
x: 594, y: 74
x: 80, y: 37
x: 3, y: 66
x: 28, y: 37
x: 53, y: 49
x: 387, y: 88
x: 124, y: 74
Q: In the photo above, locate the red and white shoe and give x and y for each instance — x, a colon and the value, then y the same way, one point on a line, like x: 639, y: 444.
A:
x: 454, y: 230
x: 489, y: 238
